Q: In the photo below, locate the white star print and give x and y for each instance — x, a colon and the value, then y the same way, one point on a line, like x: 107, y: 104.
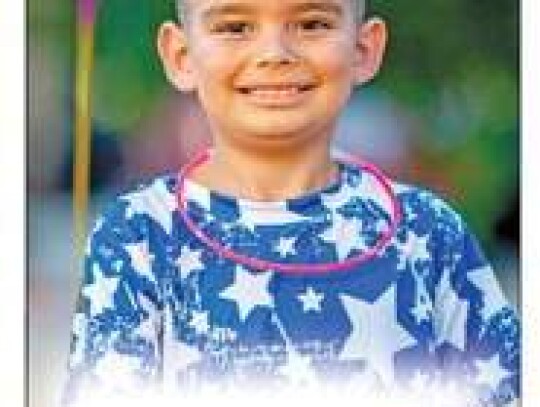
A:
x: 340, y: 198
x: 88, y: 247
x: 410, y: 215
x: 345, y: 235
x: 101, y: 291
x: 147, y: 329
x: 281, y: 328
x: 189, y: 261
x: 442, y: 209
x: 491, y: 372
x: 222, y: 334
x: 199, y: 194
x: 376, y: 335
x: 249, y: 291
x: 285, y: 246
x: 493, y: 298
x: 450, y: 314
x: 155, y: 201
x: 79, y: 330
x: 371, y: 187
x: 141, y: 259
x: 199, y: 322
x: 297, y: 370
x: 266, y: 215
x: 401, y: 188
x: 177, y: 356
x: 117, y: 265
x: 368, y: 187
x: 98, y: 225
x: 311, y: 301
x: 423, y: 307
x: 382, y: 225
x: 421, y: 311
x: 129, y: 293
x: 79, y: 324
x: 414, y: 249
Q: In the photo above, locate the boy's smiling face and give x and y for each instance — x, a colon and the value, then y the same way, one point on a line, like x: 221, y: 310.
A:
x: 271, y: 71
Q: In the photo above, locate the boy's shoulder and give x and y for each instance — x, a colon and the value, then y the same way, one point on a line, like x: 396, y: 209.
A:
x: 415, y: 203
x: 160, y: 186
x: 426, y: 209
x: 154, y: 198
x: 422, y: 198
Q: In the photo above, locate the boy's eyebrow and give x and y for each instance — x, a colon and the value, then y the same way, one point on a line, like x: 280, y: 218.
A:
x: 325, y: 6
x: 232, y: 8
x: 239, y: 8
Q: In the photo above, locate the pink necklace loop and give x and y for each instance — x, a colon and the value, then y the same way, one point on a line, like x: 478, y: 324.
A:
x: 264, y: 265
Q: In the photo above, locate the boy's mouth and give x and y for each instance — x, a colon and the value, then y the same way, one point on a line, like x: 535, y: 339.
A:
x: 276, y: 94
x: 275, y: 88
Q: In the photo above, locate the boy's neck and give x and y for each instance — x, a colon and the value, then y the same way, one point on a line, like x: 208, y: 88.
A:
x: 266, y: 177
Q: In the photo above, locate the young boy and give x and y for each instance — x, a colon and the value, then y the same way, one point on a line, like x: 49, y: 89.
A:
x: 270, y: 262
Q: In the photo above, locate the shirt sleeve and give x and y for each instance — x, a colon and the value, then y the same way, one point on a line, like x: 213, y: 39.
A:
x: 115, y: 338
x: 478, y: 329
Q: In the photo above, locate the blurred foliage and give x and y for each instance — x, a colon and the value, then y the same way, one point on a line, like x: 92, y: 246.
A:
x: 452, y: 65
x: 128, y: 76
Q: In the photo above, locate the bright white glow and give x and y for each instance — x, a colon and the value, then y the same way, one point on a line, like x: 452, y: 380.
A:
x: 449, y: 394
x: 12, y: 209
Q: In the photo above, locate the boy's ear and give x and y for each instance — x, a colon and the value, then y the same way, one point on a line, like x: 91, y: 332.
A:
x: 172, y: 47
x: 371, y: 38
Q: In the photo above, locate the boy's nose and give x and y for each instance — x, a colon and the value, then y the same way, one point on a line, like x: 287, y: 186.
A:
x: 275, y: 50
x: 274, y: 58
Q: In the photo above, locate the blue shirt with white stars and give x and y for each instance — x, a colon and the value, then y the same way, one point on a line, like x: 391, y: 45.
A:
x: 157, y: 307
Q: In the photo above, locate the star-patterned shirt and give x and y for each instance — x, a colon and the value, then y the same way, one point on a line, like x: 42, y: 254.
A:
x: 158, y: 307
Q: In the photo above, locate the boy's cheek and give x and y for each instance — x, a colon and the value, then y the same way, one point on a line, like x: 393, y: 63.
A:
x: 331, y: 57
x: 217, y: 62
x: 336, y: 72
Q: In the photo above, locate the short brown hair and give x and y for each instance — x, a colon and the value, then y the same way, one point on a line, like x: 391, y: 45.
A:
x: 181, y: 9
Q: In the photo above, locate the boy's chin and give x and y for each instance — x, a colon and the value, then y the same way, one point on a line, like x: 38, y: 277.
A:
x: 275, y: 132
x: 279, y: 135
x: 279, y: 126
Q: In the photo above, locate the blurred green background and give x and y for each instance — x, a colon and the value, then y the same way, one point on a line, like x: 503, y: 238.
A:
x: 452, y: 66
x: 443, y: 113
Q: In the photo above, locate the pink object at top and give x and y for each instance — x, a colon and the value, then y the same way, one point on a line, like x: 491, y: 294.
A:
x: 86, y: 11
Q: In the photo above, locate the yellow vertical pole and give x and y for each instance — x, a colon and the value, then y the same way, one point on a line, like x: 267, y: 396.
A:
x: 82, y: 135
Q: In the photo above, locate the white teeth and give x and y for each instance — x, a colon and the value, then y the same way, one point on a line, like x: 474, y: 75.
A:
x: 282, y: 92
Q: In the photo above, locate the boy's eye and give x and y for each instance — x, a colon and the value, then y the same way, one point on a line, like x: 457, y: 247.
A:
x: 235, y: 28
x: 314, y: 25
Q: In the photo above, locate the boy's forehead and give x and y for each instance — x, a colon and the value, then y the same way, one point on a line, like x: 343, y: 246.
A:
x: 239, y: 5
